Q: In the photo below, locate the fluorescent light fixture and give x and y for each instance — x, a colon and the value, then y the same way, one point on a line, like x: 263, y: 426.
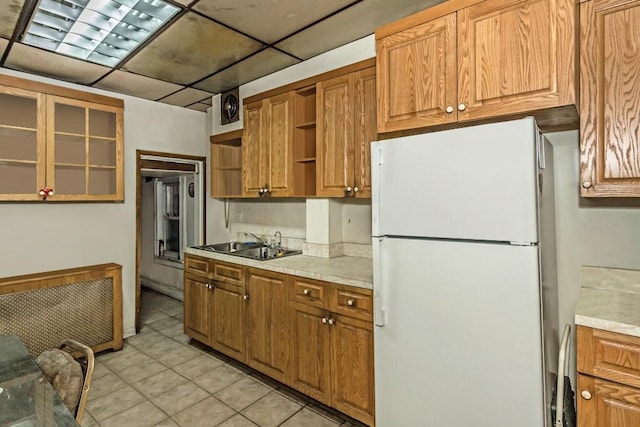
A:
x: 101, y: 31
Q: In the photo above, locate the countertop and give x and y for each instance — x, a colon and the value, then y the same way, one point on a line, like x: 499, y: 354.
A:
x: 345, y: 270
x: 609, y: 300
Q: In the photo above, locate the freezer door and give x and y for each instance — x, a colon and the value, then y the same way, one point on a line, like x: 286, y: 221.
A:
x: 477, y: 183
x: 461, y: 343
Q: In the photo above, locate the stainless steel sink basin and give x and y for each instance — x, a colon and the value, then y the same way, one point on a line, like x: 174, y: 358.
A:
x: 264, y: 253
x: 250, y: 250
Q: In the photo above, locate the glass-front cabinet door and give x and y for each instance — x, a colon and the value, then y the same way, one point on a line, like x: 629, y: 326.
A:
x: 84, y: 150
x: 22, y: 144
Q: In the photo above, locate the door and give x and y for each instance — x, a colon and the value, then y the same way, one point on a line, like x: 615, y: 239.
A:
x: 461, y: 329
x: 365, y: 130
x: 228, y: 316
x: 416, y: 76
x: 268, y: 323
x: 197, y: 308
x: 279, y: 151
x: 352, y: 376
x: 310, y: 351
x: 254, y: 158
x: 515, y: 56
x: 609, y: 404
x: 476, y: 183
x: 610, y: 141
x: 335, y: 135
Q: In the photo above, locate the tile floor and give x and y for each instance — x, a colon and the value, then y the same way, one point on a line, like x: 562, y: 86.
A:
x: 162, y: 378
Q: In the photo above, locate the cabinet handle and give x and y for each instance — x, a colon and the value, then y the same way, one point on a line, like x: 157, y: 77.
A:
x: 246, y: 297
x: 349, y: 189
x: 306, y: 291
x: 449, y: 109
x: 351, y: 302
x: 586, y: 184
x: 356, y: 189
x: 331, y: 321
x: 324, y: 320
x: 586, y: 395
x: 462, y: 107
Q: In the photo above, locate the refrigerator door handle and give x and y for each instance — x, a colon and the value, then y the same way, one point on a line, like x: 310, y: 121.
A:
x: 378, y: 301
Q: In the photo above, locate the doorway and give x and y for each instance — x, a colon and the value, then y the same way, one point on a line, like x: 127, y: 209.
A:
x: 170, y: 215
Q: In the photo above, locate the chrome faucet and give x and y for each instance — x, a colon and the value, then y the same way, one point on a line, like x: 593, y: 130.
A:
x: 259, y: 239
x: 278, y: 234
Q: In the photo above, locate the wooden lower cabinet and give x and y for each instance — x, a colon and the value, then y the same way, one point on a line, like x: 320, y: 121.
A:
x: 352, y: 360
x: 608, y: 393
x: 311, y: 352
x: 268, y: 323
x: 228, y: 320
x: 197, y: 307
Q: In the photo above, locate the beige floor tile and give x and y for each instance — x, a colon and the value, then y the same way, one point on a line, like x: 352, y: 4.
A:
x: 237, y: 421
x: 218, y: 379
x: 164, y: 323
x: 88, y: 420
x: 178, y: 398
x: 178, y: 355
x: 127, y: 359
x: 144, y: 338
x: 308, y: 418
x: 173, y: 331
x: 159, y: 383
x: 107, y: 355
x: 167, y: 423
x: 332, y: 414
x: 114, y: 402
x: 209, y: 412
x: 141, y: 371
x: 160, y: 346
x: 100, y: 370
x: 153, y: 317
x: 105, y: 385
x: 142, y: 415
x: 176, y: 311
x: 242, y: 394
x: 198, y: 366
x: 271, y: 410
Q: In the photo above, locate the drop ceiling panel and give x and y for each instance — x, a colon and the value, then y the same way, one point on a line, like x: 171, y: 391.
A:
x: 9, y: 14
x: 186, y: 97
x: 191, y: 49
x: 137, y: 85
x: 269, y: 20
x: 266, y: 62
x: 3, y: 46
x: 37, y: 61
x: 350, y: 24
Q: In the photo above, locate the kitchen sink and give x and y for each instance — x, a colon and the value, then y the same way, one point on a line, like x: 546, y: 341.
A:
x: 251, y: 250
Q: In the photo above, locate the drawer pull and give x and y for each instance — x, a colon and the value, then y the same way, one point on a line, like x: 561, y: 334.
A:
x: 586, y: 395
x: 324, y: 320
x: 351, y: 302
x: 332, y: 321
x: 306, y: 291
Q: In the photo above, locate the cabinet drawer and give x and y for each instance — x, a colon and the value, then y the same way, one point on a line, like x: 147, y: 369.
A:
x: 228, y: 273
x: 197, y: 265
x: 309, y: 292
x: 609, y: 355
x: 354, y: 302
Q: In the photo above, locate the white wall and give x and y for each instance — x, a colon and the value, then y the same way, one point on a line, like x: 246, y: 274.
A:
x: 39, y: 237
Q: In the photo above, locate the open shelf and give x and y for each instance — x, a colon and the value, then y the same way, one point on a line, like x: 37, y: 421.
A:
x: 226, y: 165
x: 304, y: 140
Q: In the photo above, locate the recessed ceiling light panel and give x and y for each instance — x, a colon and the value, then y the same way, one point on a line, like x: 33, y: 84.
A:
x: 101, y: 31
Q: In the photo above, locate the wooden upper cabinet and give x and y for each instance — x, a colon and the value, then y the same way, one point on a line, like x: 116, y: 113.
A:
x: 345, y: 128
x: 267, y: 156
x: 71, y: 146
x: 490, y: 59
x: 416, y: 75
x: 610, y: 98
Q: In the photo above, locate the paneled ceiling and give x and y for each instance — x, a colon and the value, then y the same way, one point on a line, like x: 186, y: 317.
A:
x: 209, y: 46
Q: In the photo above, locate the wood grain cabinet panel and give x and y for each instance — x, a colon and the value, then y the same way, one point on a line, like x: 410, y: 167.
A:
x: 267, y: 318
x: 228, y: 320
x: 610, y: 98
x: 73, y: 147
x: 345, y: 128
x: 197, y: 307
x: 267, y: 150
x: 608, y: 393
x: 490, y: 59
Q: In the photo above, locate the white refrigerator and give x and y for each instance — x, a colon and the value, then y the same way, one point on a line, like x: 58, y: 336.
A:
x: 465, y: 290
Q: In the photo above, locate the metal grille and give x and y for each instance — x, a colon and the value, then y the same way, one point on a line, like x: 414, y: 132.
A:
x: 43, y: 318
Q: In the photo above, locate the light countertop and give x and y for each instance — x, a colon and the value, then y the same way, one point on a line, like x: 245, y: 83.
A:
x: 609, y: 300
x: 345, y: 270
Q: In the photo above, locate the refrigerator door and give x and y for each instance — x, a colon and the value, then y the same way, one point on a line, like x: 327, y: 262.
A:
x: 461, y: 341
x: 476, y: 183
